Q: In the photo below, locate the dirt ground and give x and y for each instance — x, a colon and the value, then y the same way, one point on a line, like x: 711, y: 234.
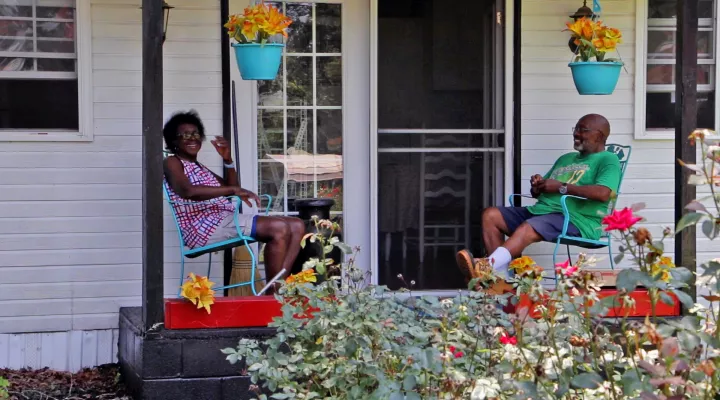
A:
x: 102, y: 383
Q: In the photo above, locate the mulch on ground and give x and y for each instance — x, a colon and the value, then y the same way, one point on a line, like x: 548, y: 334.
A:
x: 101, y: 383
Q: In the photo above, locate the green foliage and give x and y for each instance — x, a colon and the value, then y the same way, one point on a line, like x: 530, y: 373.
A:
x: 4, y: 386
x: 345, y: 339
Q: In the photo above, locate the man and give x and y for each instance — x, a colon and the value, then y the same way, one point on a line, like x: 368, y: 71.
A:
x: 591, y: 172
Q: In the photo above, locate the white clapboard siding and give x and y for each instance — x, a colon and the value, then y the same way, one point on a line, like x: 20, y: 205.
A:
x: 551, y: 107
x: 70, y: 213
x: 62, y: 351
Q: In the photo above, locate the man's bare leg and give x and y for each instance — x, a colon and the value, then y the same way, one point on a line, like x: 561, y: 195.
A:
x: 494, y: 229
x: 523, y: 237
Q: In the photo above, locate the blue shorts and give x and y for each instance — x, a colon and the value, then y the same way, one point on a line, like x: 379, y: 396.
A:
x: 548, y: 226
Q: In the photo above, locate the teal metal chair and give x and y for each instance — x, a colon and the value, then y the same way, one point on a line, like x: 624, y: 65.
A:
x: 240, y: 240
x: 623, y: 154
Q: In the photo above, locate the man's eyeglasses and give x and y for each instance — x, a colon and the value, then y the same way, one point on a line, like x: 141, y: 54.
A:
x: 582, y: 131
x: 190, y: 136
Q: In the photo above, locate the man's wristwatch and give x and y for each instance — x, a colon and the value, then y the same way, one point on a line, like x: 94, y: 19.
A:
x: 563, y: 189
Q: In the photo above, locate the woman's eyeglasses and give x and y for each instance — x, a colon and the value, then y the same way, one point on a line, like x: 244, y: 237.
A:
x: 190, y: 136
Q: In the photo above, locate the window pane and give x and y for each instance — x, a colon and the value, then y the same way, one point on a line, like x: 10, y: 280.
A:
x: 270, y: 93
x: 330, y: 129
x: 16, y: 64
x: 64, y: 30
x: 328, y: 32
x: 660, y: 110
x: 667, y: 8
x: 55, y: 65
x: 300, y: 31
x: 56, y: 101
x: 329, y: 81
x: 44, y: 11
x: 16, y: 45
x: 299, y: 81
x: 55, y: 46
x: 16, y: 28
x: 661, y: 44
x: 664, y: 74
x: 270, y: 133
x: 10, y: 10
x: 300, y: 132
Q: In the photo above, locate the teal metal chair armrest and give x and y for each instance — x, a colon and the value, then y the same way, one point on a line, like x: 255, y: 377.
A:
x: 566, y: 212
x: 510, y: 198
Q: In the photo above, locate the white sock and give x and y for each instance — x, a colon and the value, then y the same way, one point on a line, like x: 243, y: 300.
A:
x: 500, y: 260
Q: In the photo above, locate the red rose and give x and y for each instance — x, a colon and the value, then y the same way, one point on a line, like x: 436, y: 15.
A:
x: 507, y: 339
x: 620, y: 220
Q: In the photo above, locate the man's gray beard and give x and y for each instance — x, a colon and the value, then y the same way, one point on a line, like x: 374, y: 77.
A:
x: 579, y: 147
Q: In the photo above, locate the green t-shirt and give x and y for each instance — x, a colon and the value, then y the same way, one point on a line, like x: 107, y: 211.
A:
x: 601, y: 168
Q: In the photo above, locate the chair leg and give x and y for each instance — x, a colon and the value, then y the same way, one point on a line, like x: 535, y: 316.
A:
x: 209, y: 264
x: 182, y: 274
x: 252, y: 269
x: 612, y: 259
x: 569, y: 256
x: 557, y: 247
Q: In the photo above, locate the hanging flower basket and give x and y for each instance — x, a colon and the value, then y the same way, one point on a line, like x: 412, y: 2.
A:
x: 257, y: 57
x: 592, y: 72
x: 595, y: 78
x: 258, y: 61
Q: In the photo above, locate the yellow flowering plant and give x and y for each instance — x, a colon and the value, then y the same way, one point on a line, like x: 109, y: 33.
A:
x: 198, y: 289
x: 593, y: 39
x: 257, y: 24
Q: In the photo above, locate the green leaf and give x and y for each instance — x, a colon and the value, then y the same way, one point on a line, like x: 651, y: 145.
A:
x: 587, y: 380
x: 659, y: 245
x: 320, y: 268
x: 681, y: 274
x: 397, y: 396
x: 708, y: 229
x: 344, y: 248
x: 629, y: 279
x: 409, y: 383
x: 666, y: 298
x: 696, y: 206
x: 688, y: 341
x: 684, y: 298
x: 618, y: 258
x: 687, y: 220
x: 413, y: 396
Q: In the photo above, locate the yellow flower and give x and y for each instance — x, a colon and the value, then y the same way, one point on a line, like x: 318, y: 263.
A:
x: 523, y: 265
x: 306, y: 276
x: 582, y: 29
x: 662, y: 268
x: 666, y: 262
x: 257, y: 24
x: 198, y: 290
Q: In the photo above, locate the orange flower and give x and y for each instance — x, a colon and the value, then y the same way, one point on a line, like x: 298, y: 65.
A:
x: 306, y: 276
x: 257, y: 24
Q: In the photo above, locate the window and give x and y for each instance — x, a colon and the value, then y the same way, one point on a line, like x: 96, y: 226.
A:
x: 300, y: 113
x: 42, y: 74
x: 655, y: 71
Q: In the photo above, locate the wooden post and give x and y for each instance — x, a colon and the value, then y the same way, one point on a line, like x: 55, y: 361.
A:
x: 685, y: 123
x: 152, y: 163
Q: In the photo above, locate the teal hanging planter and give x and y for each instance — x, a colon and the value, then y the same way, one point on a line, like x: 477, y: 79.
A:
x: 259, y: 62
x: 595, y: 78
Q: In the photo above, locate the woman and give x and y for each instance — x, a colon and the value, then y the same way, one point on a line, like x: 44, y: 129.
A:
x: 188, y: 180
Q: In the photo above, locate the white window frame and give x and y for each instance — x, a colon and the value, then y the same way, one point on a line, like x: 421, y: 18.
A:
x: 83, y: 37
x: 641, y: 63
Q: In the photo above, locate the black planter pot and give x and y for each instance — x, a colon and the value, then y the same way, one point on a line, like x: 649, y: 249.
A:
x: 307, y: 209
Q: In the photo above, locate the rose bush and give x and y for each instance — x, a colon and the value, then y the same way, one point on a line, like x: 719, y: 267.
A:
x: 362, y: 342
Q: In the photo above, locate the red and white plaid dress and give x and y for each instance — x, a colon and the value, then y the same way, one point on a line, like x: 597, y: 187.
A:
x: 199, y: 220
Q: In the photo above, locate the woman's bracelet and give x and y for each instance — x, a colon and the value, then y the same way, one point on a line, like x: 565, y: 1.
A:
x: 229, y: 166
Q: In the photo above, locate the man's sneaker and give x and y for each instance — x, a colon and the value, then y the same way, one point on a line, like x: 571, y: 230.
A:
x: 480, y: 268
